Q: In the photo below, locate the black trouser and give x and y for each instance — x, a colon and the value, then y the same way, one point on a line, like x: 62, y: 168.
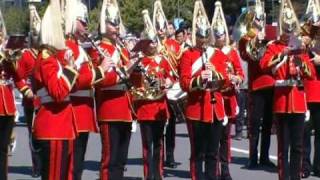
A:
x: 260, y: 114
x: 314, y: 123
x: 290, y: 135
x: 36, y: 162
x: 80, y: 147
x: 204, y: 142
x: 242, y: 99
x: 171, y: 130
x: 6, y: 127
x: 56, y: 159
x: 152, y: 147
x: 225, y: 151
x: 115, y: 139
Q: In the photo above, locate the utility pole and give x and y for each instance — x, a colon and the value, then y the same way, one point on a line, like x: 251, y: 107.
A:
x: 178, y: 8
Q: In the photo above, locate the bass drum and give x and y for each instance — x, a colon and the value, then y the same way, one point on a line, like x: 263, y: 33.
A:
x: 175, y: 92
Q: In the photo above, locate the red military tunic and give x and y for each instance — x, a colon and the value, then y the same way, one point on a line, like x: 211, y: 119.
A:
x: 53, y: 83
x: 257, y: 79
x: 151, y: 110
x: 311, y: 86
x: 229, y: 93
x: 287, y: 99
x: 25, y: 70
x: 9, y: 76
x: 199, y: 106
x: 113, y: 99
x: 82, y: 96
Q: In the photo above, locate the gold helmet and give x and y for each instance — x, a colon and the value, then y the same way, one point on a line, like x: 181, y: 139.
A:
x: 200, y: 23
x: 288, y: 21
x: 159, y: 19
x: 149, y: 32
x: 110, y: 13
x: 51, y: 26
x: 219, y: 25
x: 3, y: 31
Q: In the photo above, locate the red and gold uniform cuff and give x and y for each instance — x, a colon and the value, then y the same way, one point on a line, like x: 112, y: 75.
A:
x: 70, y: 75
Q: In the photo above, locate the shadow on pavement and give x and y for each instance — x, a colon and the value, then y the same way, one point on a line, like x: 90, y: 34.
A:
x: 132, y: 178
x: 134, y: 161
x: 176, y: 173
x: 182, y: 135
x: 25, y: 170
x: 92, y: 165
x: 243, y: 162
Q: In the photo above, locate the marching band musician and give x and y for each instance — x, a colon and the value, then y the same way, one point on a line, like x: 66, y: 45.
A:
x: 251, y: 47
x: 310, y: 35
x: 290, y: 65
x: 151, y: 107
x: 235, y: 73
x: 82, y: 96
x: 202, y: 73
x: 170, y: 48
x: 25, y: 69
x: 8, y: 76
x: 114, y: 106
x: 54, y: 123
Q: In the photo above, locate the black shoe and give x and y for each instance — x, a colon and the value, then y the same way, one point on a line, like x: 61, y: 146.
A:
x: 171, y: 164
x: 316, y: 173
x: 238, y: 137
x: 35, y: 174
x: 252, y: 164
x: 267, y: 163
x: 305, y: 174
x: 226, y: 177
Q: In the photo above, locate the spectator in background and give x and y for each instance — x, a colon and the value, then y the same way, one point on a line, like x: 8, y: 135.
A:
x: 242, y: 97
x: 171, y: 30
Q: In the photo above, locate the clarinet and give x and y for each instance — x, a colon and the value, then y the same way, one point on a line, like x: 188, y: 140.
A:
x: 209, y: 82
x: 139, y: 67
x: 104, y: 54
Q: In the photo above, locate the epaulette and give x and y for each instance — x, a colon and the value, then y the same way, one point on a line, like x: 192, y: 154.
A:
x: 45, y: 54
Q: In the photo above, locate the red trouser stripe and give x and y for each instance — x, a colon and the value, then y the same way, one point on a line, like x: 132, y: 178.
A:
x: 105, y: 159
x: 161, y: 157
x: 192, y: 158
x: 145, y: 155
x: 280, y: 153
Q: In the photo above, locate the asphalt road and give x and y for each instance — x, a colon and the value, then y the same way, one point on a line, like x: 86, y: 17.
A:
x: 20, y: 161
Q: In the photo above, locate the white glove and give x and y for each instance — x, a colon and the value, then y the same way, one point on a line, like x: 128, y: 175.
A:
x: 134, y: 126
x: 68, y: 56
x: 225, y: 121
x: 307, y: 116
x: 237, y: 110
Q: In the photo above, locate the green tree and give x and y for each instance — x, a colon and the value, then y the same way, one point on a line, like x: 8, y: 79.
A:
x: 94, y: 18
x: 131, y: 13
x: 15, y: 20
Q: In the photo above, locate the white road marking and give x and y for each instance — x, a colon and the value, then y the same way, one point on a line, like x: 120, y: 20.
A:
x: 247, y: 152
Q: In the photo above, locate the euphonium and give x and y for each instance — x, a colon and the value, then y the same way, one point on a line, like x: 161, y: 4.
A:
x: 150, y: 85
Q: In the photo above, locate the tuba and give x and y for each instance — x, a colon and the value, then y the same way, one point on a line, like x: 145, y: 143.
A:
x: 246, y: 25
